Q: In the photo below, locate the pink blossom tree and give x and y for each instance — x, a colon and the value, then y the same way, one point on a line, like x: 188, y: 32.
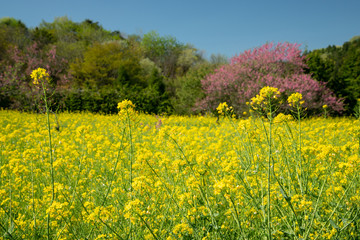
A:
x: 16, y: 89
x: 277, y: 65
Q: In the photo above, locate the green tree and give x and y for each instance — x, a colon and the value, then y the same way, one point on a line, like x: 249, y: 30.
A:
x: 115, y: 71
x: 71, y: 38
x: 339, y: 68
x: 112, y: 63
x: 164, y: 51
x: 91, y: 32
x: 154, y: 98
x: 14, y: 32
x: 189, y: 89
x: 65, y: 33
x: 218, y: 59
x: 349, y: 72
x: 42, y: 36
x: 3, y: 43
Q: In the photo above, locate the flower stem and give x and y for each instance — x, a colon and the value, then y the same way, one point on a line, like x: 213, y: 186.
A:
x: 51, y: 158
x: 269, y: 172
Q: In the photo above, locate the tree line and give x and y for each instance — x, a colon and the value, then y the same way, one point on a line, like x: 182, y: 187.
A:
x: 92, y: 69
x: 339, y: 68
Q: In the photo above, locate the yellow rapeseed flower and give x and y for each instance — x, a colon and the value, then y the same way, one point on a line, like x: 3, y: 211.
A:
x: 269, y: 92
x: 166, y: 186
x: 125, y: 104
x: 126, y: 109
x: 265, y: 94
x: 38, y: 75
x: 223, y: 109
x: 183, y: 228
x: 295, y: 99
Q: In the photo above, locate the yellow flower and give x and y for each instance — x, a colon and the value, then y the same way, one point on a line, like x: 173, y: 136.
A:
x: 266, y: 93
x: 38, y: 75
x: 126, y: 109
x: 125, y: 104
x: 166, y: 185
x: 283, y: 118
x: 223, y: 108
x: 295, y: 99
x: 269, y: 92
x: 183, y: 228
x: 133, y: 204
x: 325, y: 106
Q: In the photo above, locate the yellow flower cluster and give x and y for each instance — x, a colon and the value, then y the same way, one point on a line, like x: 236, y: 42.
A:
x: 39, y: 75
x: 283, y: 118
x: 182, y: 229
x: 125, y: 104
x: 266, y: 93
x: 294, y: 100
x: 126, y: 110
x: 189, y: 179
x: 223, y: 109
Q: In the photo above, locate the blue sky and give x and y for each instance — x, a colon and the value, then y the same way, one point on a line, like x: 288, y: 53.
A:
x: 225, y: 27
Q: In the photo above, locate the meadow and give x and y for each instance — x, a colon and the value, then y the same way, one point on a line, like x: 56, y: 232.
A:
x: 138, y: 176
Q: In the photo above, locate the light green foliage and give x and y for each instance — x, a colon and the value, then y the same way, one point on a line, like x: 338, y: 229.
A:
x: 164, y: 51
x: 219, y: 59
x: 91, y: 32
x: 189, y: 90
x: 105, y: 64
x: 117, y: 69
x: 158, y: 47
x: 63, y: 29
x: 355, y: 38
x: 72, y: 38
x: 148, y: 66
x: 172, y: 57
x: 187, y: 59
x: 12, y: 22
x: 13, y: 32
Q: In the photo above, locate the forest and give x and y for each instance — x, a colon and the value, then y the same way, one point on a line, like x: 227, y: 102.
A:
x: 92, y: 69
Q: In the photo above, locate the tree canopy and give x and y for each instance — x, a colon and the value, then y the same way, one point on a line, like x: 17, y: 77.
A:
x: 93, y: 69
x: 339, y: 68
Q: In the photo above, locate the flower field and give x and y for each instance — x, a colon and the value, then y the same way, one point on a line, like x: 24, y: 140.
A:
x: 137, y: 176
